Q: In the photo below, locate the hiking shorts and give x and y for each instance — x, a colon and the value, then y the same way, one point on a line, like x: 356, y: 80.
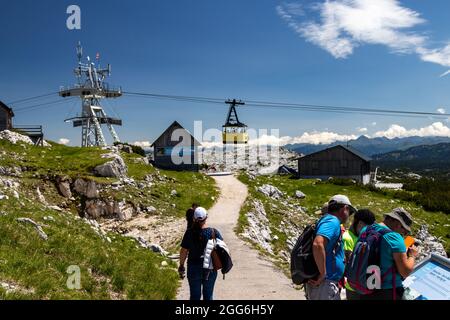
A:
x: 328, y: 290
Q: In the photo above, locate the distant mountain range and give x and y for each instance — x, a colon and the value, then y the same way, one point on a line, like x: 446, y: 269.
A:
x: 421, y: 158
x: 372, y: 146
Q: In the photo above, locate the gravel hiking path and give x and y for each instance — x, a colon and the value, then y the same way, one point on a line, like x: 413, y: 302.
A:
x: 252, y: 277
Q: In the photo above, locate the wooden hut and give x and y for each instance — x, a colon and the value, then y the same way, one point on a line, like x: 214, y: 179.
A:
x: 176, y: 149
x: 338, y: 162
x: 6, y: 116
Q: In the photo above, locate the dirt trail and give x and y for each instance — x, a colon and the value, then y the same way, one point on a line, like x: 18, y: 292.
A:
x: 252, y: 278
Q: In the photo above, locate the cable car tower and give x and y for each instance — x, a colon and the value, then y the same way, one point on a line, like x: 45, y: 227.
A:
x: 234, y: 131
x: 91, y: 88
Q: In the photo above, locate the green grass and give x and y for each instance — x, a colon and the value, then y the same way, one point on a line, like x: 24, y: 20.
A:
x: 40, y: 266
x: 319, y: 192
x: 119, y: 269
x: 57, y: 160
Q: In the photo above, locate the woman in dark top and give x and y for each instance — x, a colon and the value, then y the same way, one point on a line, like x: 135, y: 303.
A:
x: 193, y: 248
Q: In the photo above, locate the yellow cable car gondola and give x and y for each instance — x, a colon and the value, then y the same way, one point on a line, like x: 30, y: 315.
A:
x: 234, y: 131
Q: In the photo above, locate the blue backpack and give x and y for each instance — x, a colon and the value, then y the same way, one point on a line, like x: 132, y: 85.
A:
x: 365, y: 254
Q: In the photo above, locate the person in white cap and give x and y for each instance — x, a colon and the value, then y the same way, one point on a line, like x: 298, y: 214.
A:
x: 195, y: 239
x: 328, y: 250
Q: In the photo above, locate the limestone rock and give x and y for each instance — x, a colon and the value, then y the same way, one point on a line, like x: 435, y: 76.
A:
x: 300, y: 195
x: 271, y: 191
x: 38, y: 228
x: 63, y: 185
x: 115, y: 168
x: 15, y: 137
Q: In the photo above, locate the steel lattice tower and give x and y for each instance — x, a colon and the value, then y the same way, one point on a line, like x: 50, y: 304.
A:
x: 91, y: 88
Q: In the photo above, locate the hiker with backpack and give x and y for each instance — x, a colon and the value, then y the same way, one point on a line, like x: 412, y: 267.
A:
x: 380, y: 260
x: 361, y: 219
x: 328, y: 251
x: 198, y: 247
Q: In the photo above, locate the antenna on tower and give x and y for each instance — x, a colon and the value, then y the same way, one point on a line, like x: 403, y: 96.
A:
x: 91, y: 89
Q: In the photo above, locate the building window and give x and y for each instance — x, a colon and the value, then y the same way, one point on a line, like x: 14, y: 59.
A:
x: 160, y: 151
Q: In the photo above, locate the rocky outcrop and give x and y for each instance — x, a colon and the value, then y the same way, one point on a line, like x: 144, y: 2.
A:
x: 116, y: 168
x: 15, y: 137
x: 63, y: 186
x: 428, y: 244
x: 258, y: 230
x: 271, y: 191
x: 10, y: 171
x: 86, y: 188
x: 96, y: 208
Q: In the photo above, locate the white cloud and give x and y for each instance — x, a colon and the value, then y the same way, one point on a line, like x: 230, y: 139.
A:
x: 142, y: 144
x: 437, y: 129
x: 343, y: 25
x: 440, y: 110
x: 63, y: 141
x: 314, y: 137
x: 362, y: 130
x: 374, y: 124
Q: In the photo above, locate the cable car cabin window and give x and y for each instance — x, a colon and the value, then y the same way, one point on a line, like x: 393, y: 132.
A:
x: 344, y: 163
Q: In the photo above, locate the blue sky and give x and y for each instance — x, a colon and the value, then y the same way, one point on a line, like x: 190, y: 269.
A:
x: 259, y: 50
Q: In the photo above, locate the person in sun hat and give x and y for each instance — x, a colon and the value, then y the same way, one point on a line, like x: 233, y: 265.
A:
x: 195, y: 239
x: 396, y: 261
x: 328, y: 250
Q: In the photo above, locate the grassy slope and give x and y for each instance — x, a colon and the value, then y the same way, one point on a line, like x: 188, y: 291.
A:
x: 117, y: 269
x: 318, y: 193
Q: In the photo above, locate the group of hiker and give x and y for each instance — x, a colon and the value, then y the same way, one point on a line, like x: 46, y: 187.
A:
x: 369, y: 260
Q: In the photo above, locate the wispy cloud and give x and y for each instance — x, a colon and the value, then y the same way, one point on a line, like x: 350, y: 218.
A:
x: 64, y: 141
x: 440, y: 110
x: 344, y: 25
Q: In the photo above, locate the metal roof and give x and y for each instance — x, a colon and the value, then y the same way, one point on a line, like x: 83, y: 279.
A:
x: 176, y: 124
x: 348, y: 148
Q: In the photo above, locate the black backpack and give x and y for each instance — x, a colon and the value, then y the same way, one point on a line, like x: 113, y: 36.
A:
x: 303, y: 265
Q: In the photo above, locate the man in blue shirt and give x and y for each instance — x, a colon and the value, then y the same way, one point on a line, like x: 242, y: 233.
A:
x: 328, y: 250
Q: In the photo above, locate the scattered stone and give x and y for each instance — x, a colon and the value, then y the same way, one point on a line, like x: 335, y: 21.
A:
x: 271, y: 191
x: 38, y: 228
x: 300, y: 195
x: 153, y: 247
x: 164, y: 264
x: 151, y: 209
x: 173, y: 193
x: 56, y: 208
x: 3, y: 197
x: 41, y: 197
